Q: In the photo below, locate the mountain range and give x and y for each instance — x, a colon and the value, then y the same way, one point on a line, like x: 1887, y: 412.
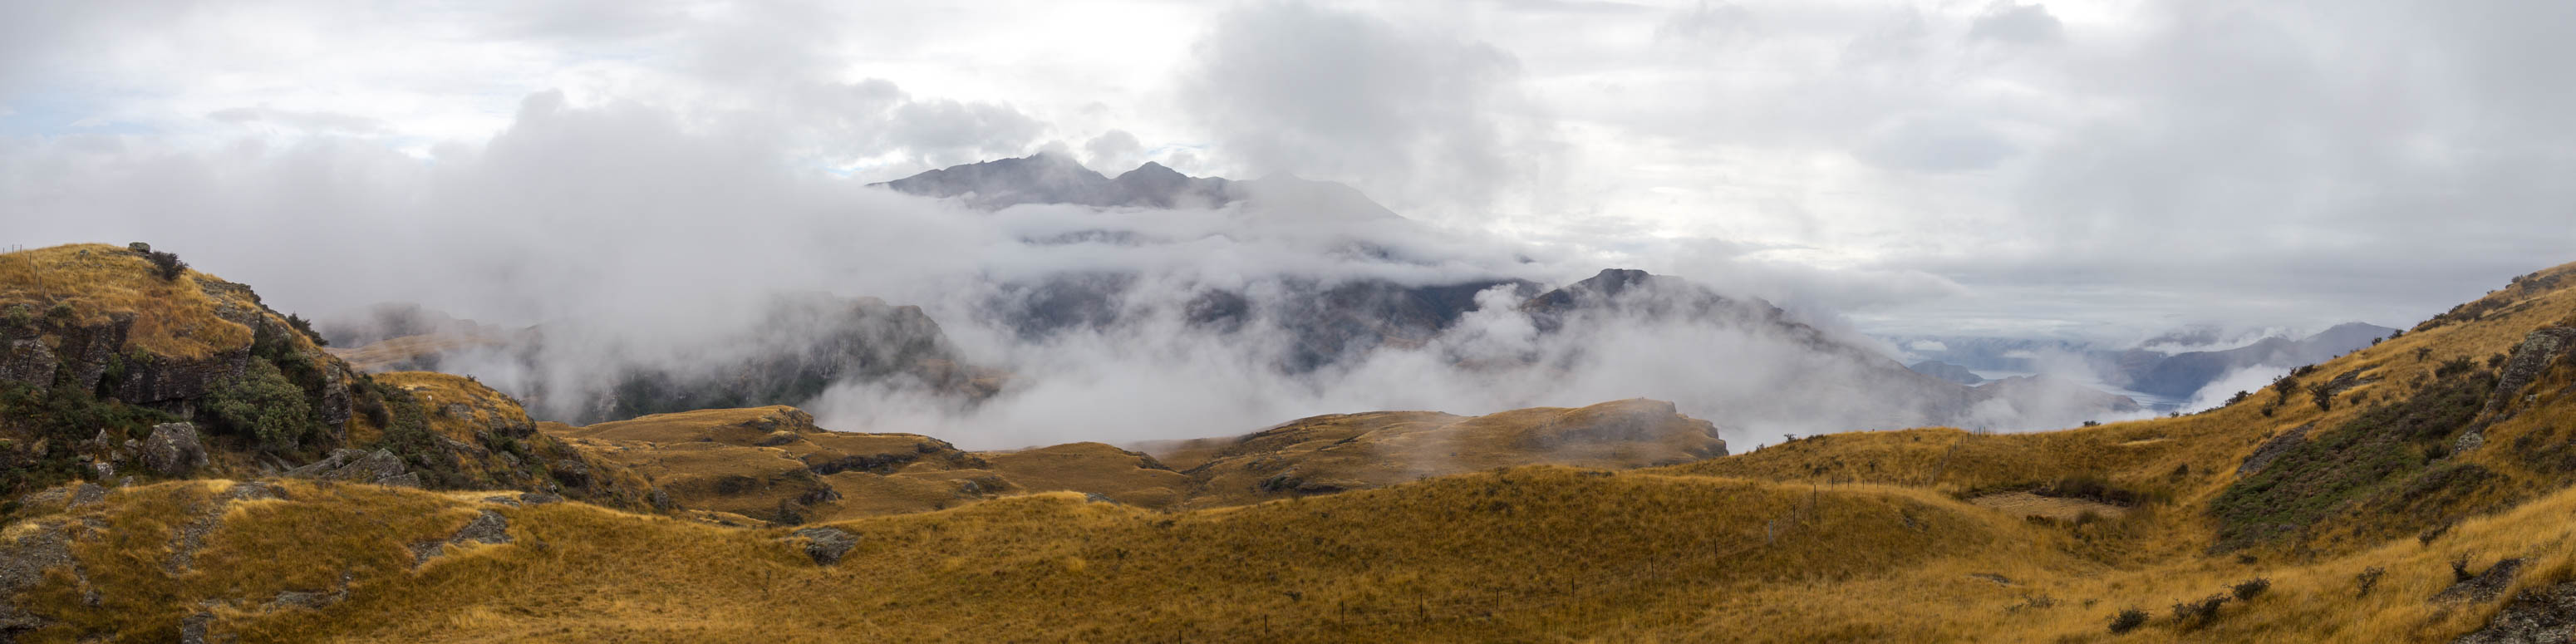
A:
x: 2151, y: 367
x: 180, y: 461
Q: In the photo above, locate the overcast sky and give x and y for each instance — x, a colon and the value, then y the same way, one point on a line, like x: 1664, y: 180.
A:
x: 2099, y: 169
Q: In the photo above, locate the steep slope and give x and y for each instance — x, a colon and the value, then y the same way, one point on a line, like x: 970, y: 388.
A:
x: 121, y: 364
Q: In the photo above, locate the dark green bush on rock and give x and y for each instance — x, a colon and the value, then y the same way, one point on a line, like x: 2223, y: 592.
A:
x: 262, y: 405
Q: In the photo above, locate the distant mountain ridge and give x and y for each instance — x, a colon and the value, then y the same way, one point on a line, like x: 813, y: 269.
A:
x: 1052, y: 178
x: 2141, y: 368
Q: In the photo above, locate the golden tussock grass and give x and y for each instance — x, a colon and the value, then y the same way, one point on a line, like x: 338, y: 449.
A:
x: 1848, y: 537
x: 172, y: 318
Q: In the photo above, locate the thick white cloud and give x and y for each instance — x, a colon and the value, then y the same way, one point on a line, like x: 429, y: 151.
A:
x: 2009, y: 165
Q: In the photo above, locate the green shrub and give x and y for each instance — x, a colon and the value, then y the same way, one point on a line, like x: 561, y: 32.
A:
x: 263, y: 405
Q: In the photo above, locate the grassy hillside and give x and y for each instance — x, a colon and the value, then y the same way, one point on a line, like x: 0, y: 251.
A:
x: 2411, y: 492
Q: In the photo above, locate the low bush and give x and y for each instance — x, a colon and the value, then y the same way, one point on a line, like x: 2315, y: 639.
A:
x: 2196, y: 614
x: 2128, y: 620
x: 166, y: 265
x: 2250, y: 588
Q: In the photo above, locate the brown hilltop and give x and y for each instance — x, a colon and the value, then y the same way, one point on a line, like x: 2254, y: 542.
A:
x: 1339, y: 452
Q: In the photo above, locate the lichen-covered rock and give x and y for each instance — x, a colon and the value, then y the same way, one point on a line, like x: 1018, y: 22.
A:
x: 487, y: 527
x: 380, y: 467
x: 826, y: 545
x: 2529, y: 358
x: 173, y: 449
x: 2538, y: 616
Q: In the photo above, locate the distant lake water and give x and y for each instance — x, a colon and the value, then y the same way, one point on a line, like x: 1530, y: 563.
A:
x: 2150, y: 401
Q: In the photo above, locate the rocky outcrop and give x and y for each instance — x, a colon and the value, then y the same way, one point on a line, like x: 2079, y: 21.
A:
x: 173, y: 449
x: 2537, y: 616
x: 826, y: 545
x: 2485, y: 586
x: 2533, y: 356
x: 380, y: 467
x: 487, y: 527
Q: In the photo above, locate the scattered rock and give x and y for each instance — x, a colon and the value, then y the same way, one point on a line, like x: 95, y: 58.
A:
x: 2537, y: 616
x: 503, y: 500
x: 380, y: 467
x: 572, y: 472
x: 85, y: 494
x: 193, y: 629
x: 311, y: 600
x: 23, y: 563
x: 487, y: 527
x: 826, y: 545
x: 192, y: 537
x: 539, y: 498
x: 2469, y: 441
x: 2486, y: 586
x: 1999, y: 580
x: 66, y: 497
x: 173, y: 449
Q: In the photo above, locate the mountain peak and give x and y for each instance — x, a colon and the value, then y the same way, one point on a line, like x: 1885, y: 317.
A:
x: 1056, y: 178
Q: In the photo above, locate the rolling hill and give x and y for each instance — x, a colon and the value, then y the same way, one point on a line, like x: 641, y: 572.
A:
x: 2412, y: 491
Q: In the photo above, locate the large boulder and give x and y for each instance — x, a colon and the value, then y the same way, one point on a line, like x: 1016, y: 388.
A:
x: 826, y: 545
x: 2534, y: 355
x: 173, y: 449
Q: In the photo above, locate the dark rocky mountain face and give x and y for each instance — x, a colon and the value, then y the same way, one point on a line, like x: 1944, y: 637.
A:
x: 1947, y: 371
x: 2143, y: 370
x: 1897, y: 396
x: 800, y: 346
x: 1047, y: 178
x: 1327, y: 323
x: 2183, y: 374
